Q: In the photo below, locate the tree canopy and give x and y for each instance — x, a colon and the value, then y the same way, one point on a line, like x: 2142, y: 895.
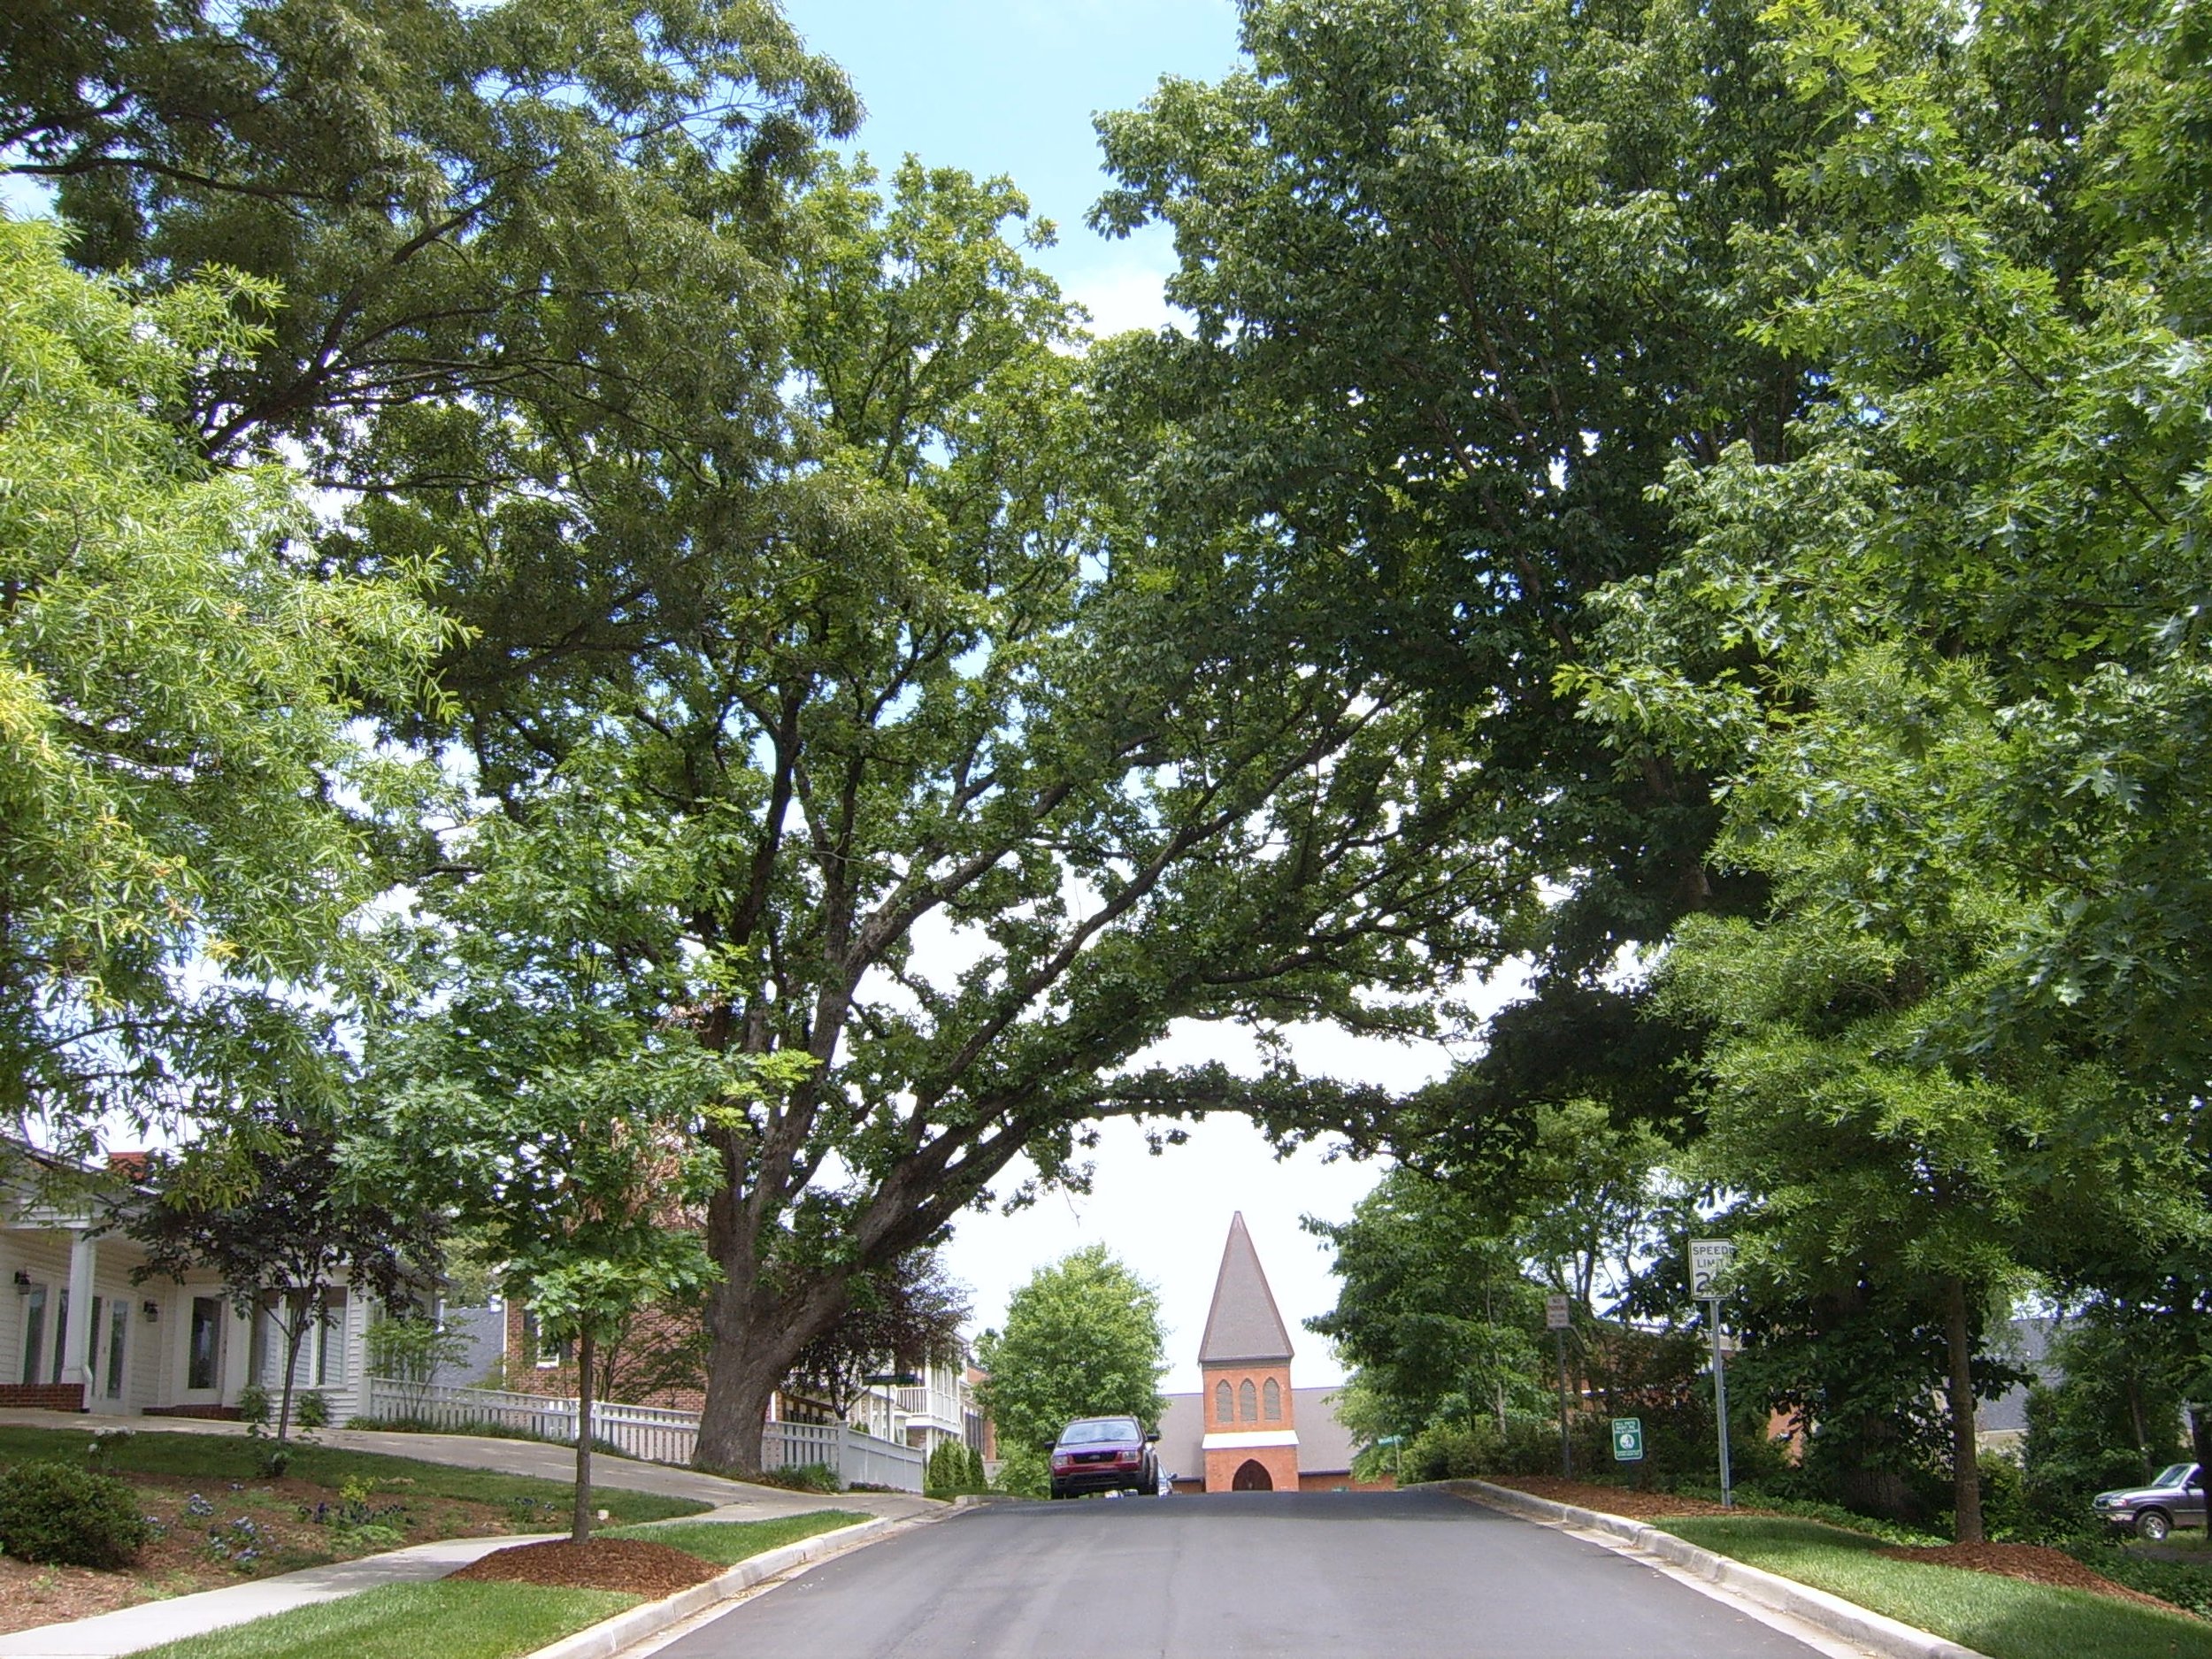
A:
x: 189, y: 822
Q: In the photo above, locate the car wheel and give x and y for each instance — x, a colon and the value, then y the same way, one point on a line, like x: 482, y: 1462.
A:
x: 2153, y: 1525
x: 1056, y: 1493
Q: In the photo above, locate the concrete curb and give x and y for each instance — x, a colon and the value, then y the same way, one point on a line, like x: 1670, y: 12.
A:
x: 611, y: 1636
x: 1829, y: 1613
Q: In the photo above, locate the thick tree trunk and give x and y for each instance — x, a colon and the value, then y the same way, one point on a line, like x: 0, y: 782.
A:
x: 580, y: 1519
x: 741, y: 1382
x: 1966, y: 1480
x: 753, y: 1338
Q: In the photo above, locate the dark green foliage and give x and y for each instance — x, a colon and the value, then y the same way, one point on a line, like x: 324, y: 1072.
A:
x: 52, y: 1511
x: 2186, y: 1584
x: 2114, y: 1421
x: 800, y: 1478
x: 954, y: 1468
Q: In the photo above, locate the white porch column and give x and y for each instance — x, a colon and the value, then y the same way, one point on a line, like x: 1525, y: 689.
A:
x: 77, y: 1340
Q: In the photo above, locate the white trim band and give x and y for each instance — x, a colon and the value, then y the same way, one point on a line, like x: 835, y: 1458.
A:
x: 1247, y: 1437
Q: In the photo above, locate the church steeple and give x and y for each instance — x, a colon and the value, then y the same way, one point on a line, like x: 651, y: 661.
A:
x: 1251, y: 1441
x: 1242, y: 1326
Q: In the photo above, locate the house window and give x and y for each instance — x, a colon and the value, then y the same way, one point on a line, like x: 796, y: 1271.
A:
x: 545, y: 1352
x: 1225, y: 1410
x: 119, y: 1327
x: 33, y: 1331
x: 204, y: 1352
x: 1272, y: 1400
x: 1247, y: 1402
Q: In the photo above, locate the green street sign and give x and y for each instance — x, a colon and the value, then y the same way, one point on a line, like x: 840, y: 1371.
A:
x: 1628, y: 1440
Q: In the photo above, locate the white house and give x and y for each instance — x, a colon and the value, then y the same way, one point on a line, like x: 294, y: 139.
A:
x: 83, y: 1338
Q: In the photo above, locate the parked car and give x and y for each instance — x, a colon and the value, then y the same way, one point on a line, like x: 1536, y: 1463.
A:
x: 2176, y: 1498
x: 1105, y: 1454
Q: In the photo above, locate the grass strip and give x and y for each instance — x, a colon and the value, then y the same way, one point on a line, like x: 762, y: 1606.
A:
x: 226, y: 1457
x: 405, y: 1621
x: 2006, y: 1618
x: 725, y: 1543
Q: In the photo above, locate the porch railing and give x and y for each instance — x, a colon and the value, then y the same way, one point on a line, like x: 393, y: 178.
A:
x: 653, y: 1433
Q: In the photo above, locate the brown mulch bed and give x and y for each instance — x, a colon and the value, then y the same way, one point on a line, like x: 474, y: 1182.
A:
x: 1587, y: 1494
x: 651, y: 1570
x: 2031, y: 1561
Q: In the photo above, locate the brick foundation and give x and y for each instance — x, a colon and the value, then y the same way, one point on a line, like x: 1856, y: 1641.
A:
x: 211, y: 1414
x: 43, y: 1396
x: 1279, y: 1461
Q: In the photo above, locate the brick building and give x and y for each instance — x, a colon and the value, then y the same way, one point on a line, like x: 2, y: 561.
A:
x: 1248, y: 1429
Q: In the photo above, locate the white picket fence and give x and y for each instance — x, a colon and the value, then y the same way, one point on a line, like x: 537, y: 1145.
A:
x: 652, y: 1432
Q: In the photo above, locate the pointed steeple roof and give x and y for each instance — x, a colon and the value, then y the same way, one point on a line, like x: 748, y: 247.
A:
x: 1242, y: 1327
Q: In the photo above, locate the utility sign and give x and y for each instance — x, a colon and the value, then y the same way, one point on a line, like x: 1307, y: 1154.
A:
x: 1555, y: 1313
x: 1710, y: 1260
x: 1628, y: 1440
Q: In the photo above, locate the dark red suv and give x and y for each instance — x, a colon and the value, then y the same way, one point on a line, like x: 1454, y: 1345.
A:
x: 1104, y: 1455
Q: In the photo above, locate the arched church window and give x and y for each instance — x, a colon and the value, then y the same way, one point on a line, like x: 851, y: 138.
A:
x: 1224, y: 1411
x: 1248, y: 1401
x: 1272, y: 1398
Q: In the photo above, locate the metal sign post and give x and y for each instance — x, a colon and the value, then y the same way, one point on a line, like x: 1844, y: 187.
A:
x: 1556, y: 1316
x: 1709, y: 1260
x: 1397, y: 1456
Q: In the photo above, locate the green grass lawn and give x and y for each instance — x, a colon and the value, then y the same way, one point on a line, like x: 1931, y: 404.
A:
x: 476, y: 1620
x: 234, y: 1457
x: 725, y: 1543
x: 2005, y: 1618
x: 405, y: 1621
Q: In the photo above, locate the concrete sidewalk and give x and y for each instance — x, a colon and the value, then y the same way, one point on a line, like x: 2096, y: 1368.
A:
x: 151, y: 1624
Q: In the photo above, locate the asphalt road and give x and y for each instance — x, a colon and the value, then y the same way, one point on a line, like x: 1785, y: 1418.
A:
x: 1410, y: 1575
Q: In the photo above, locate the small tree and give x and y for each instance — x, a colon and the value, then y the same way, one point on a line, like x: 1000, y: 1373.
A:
x: 1082, y: 1339
x: 903, y: 1314
x: 284, y: 1224
x: 579, y: 1179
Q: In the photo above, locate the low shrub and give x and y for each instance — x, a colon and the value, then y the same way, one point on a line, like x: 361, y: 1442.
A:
x: 57, y: 1513
x: 801, y: 1478
x: 2186, y: 1584
x: 954, y: 1468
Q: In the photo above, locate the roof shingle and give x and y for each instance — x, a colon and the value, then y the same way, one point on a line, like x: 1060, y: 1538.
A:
x: 1242, y: 1326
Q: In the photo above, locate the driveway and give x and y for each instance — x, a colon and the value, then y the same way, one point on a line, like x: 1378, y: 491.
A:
x: 734, y: 1500
x: 1350, y: 1575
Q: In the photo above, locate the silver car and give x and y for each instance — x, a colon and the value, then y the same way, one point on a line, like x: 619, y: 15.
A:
x: 2176, y: 1498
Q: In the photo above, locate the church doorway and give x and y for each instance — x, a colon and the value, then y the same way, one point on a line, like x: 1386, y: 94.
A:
x: 1251, y: 1478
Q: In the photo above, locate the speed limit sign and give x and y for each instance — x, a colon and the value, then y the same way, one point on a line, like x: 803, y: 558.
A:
x: 1709, y: 1260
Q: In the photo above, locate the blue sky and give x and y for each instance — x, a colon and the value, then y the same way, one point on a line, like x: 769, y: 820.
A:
x: 1009, y: 86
